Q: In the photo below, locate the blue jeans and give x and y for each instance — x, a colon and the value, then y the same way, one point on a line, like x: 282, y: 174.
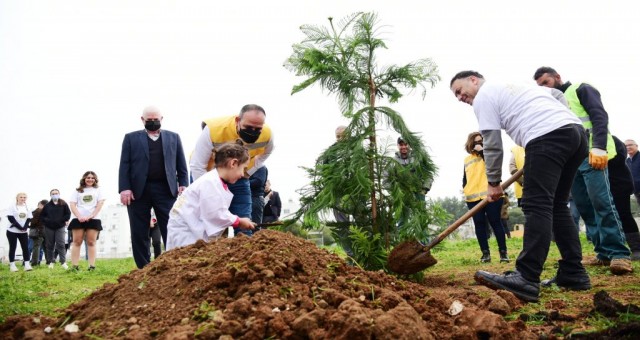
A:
x: 490, y: 212
x: 550, y: 167
x: 574, y: 213
x: 241, y: 202
x: 592, y: 193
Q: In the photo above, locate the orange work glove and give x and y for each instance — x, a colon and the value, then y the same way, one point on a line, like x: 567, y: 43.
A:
x: 598, y: 159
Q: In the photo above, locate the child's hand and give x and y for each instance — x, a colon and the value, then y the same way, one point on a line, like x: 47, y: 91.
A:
x: 245, y: 223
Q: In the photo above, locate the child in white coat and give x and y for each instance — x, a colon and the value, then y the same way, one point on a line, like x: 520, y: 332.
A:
x: 202, y: 210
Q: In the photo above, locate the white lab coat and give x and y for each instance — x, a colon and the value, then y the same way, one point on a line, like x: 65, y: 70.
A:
x: 201, y: 212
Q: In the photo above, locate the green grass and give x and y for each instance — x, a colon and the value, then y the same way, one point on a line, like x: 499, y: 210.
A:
x: 47, y: 291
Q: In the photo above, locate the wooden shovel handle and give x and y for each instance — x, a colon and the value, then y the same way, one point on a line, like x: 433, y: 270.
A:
x: 470, y: 213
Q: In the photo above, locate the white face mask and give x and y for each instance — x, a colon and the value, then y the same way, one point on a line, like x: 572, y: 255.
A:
x: 55, y: 197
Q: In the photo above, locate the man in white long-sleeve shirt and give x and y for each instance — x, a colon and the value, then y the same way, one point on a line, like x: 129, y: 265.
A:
x: 555, y: 144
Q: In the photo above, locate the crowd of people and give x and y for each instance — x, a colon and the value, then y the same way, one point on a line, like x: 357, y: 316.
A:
x: 574, y: 168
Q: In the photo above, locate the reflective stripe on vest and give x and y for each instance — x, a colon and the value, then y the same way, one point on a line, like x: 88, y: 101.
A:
x: 574, y: 103
x: 223, y: 130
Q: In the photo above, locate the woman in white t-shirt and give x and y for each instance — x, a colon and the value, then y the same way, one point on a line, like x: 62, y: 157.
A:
x: 85, y: 205
x: 19, y: 216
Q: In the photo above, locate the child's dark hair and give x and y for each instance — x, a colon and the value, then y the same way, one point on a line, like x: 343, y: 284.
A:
x: 232, y: 150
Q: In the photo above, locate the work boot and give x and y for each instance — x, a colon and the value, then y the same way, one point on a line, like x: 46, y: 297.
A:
x: 633, y: 240
x: 511, y: 281
x: 486, y: 256
x: 504, y: 258
x: 595, y: 262
x: 12, y: 267
x: 620, y: 266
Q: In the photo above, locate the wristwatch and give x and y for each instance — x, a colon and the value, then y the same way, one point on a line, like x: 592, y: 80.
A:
x: 494, y: 184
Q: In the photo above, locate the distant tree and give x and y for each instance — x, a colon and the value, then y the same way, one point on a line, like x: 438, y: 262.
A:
x: 352, y: 174
x: 455, y: 206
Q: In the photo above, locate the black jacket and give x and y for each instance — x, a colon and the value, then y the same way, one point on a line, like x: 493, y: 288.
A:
x: 55, y: 216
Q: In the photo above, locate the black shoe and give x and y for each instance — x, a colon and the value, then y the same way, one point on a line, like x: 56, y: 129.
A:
x: 577, y: 282
x: 91, y: 268
x: 504, y: 258
x: 486, y: 257
x: 75, y: 268
x: 511, y: 281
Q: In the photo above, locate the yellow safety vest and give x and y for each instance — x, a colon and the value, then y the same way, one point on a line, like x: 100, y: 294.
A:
x: 223, y: 130
x: 518, y: 154
x: 574, y: 103
x: 476, y: 173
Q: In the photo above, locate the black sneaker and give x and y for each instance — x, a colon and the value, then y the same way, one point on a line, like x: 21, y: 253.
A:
x: 577, y: 282
x: 75, y: 268
x: 504, y: 258
x: 486, y: 257
x: 511, y: 281
x: 91, y: 268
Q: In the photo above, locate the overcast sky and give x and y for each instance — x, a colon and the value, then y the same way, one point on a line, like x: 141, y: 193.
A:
x: 75, y: 76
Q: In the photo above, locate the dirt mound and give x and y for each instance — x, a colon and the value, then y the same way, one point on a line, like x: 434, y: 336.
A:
x: 275, y: 285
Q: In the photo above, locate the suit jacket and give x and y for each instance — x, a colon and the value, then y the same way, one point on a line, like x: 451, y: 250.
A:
x: 134, y: 162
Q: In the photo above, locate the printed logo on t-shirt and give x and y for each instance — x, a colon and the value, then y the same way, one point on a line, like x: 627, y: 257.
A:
x: 87, y: 198
x: 22, y: 215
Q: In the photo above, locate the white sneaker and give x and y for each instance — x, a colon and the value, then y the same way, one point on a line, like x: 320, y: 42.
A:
x: 12, y: 267
x: 50, y: 265
x: 27, y: 267
x: 64, y: 265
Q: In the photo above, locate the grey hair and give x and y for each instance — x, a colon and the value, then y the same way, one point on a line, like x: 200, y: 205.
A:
x: 150, y: 109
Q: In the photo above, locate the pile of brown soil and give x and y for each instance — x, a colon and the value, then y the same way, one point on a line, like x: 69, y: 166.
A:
x: 276, y: 286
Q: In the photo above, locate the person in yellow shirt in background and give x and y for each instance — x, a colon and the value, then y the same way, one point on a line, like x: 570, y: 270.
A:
x: 474, y: 183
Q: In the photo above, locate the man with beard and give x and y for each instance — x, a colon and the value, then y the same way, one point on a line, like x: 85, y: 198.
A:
x: 249, y: 126
x: 591, y: 187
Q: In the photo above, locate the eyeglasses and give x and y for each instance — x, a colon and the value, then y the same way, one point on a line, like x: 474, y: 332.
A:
x: 629, y: 145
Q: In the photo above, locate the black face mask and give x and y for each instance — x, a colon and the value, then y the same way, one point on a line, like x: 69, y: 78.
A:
x: 152, y: 125
x: 249, y: 135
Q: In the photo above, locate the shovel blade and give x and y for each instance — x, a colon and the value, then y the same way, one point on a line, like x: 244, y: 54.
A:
x: 409, y: 257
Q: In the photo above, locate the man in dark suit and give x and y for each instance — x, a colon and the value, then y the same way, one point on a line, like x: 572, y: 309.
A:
x: 153, y: 172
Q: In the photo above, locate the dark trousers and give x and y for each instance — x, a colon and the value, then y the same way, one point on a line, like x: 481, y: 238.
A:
x: 158, y: 196
x: 14, y: 238
x: 37, y: 251
x: 156, y: 238
x: 54, y: 245
x: 551, y: 164
x: 490, y: 212
x: 621, y: 184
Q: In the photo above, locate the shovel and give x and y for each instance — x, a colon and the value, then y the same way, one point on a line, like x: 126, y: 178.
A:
x: 269, y: 224
x: 410, y: 257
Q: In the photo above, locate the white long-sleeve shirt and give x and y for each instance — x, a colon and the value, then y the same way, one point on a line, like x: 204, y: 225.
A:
x: 201, y: 212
